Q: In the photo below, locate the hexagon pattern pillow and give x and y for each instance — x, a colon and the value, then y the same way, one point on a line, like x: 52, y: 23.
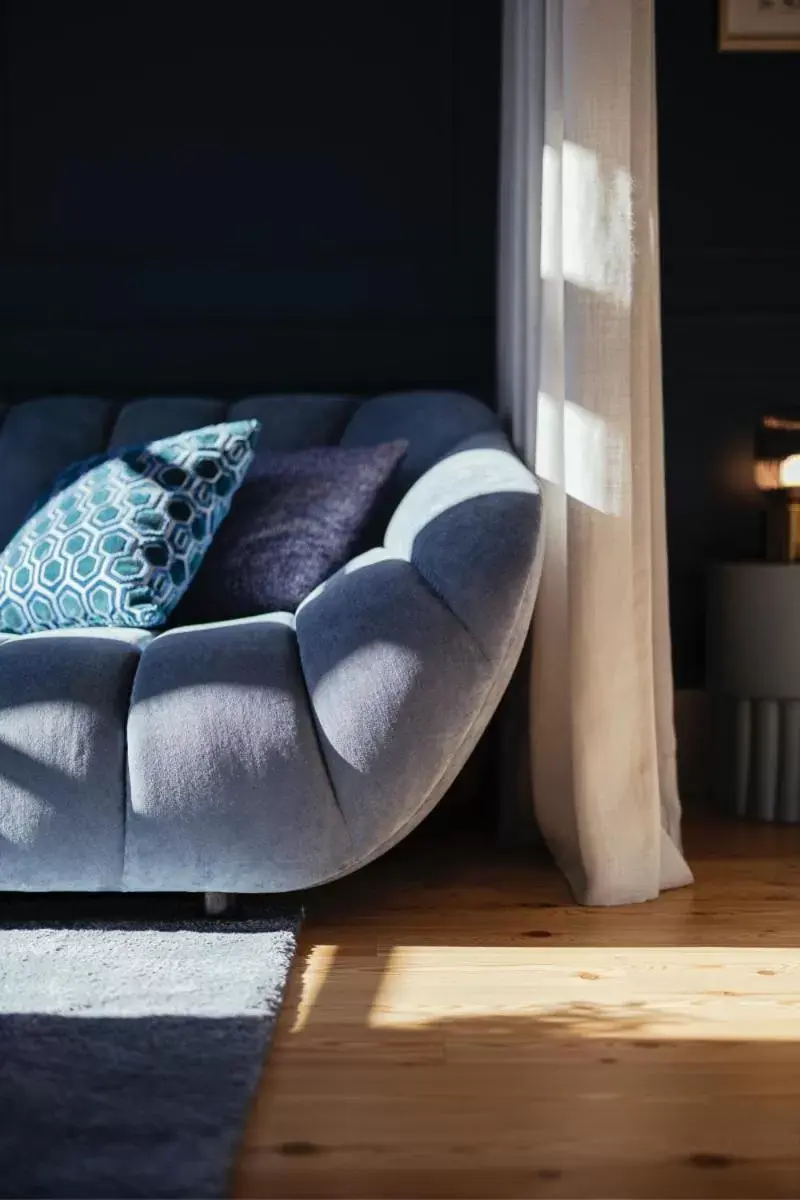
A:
x: 120, y: 536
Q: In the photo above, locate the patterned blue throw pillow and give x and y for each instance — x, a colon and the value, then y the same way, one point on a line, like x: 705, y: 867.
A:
x: 121, y: 536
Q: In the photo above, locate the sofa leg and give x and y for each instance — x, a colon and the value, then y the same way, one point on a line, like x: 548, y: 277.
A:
x: 217, y: 904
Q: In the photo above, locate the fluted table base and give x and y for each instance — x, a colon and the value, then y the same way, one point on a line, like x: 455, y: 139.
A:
x: 757, y: 758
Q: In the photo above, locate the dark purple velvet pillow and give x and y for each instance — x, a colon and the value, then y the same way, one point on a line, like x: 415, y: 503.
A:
x: 295, y: 520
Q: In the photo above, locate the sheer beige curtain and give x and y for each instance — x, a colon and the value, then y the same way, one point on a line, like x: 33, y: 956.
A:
x: 580, y: 383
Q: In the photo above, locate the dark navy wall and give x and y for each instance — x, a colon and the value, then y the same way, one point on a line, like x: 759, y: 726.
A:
x: 248, y: 194
x: 730, y: 232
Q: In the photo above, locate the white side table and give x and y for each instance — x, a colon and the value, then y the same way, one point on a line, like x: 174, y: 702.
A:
x: 753, y: 655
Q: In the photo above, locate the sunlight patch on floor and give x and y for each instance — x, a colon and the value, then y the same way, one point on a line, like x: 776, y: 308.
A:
x: 708, y: 993
x: 318, y: 967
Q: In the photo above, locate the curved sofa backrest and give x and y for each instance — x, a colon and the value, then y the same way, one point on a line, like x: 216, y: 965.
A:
x: 432, y: 423
x: 471, y: 527
x: 40, y: 437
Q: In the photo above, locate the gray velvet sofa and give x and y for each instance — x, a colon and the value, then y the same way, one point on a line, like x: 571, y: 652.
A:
x: 280, y: 751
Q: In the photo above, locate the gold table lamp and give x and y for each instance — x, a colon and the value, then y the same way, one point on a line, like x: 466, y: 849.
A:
x: 777, y: 473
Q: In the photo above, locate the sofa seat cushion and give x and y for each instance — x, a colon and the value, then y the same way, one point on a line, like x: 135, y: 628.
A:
x: 121, y: 536
x: 64, y: 700
x: 228, y: 789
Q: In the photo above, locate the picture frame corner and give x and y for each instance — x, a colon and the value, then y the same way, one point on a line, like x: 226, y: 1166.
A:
x: 729, y: 41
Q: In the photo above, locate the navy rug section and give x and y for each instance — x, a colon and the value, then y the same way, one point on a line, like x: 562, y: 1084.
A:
x: 130, y: 1052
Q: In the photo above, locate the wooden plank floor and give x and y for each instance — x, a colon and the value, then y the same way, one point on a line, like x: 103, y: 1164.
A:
x: 456, y: 1028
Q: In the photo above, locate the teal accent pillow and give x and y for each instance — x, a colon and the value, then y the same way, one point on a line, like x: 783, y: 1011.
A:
x: 121, y: 536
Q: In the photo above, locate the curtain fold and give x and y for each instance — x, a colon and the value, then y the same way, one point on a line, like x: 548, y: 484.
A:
x: 580, y: 385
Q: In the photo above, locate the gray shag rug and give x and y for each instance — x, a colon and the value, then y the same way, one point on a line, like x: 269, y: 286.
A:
x: 129, y: 1054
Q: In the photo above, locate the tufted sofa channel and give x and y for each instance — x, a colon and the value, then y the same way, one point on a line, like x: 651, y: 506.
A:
x: 283, y: 750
